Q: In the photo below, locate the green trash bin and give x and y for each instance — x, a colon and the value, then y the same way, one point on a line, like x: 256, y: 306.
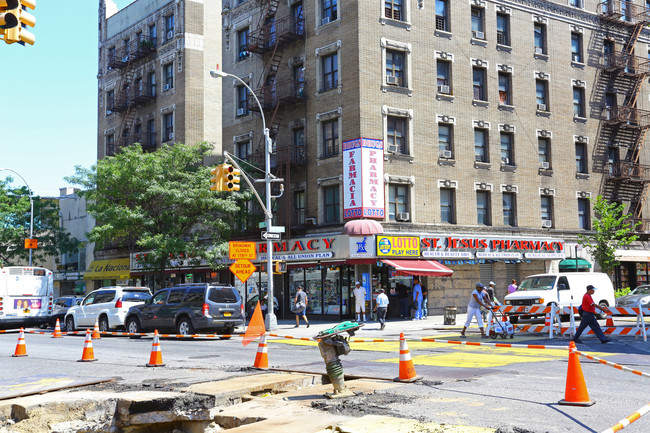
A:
x: 450, y: 315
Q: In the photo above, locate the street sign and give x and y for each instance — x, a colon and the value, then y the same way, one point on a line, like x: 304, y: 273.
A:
x: 277, y: 229
x: 242, y: 269
x: 33, y: 243
x: 241, y: 250
x: 268, y: 236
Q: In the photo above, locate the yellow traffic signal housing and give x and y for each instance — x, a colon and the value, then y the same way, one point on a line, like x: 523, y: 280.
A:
x: 18, y: 19
x: 280, y: 267
x: 216, y: 181
x: 231, y: 177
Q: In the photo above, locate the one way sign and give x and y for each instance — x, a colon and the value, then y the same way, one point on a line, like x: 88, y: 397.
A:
x: 268, y: 236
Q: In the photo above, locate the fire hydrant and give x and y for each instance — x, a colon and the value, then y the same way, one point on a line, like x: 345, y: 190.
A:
x: 332, y: 345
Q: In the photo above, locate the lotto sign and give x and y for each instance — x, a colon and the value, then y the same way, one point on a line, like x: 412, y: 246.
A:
x: 400, y: 246
x: 241, y: 250
x: 363, y: 178
x: 243, y: 269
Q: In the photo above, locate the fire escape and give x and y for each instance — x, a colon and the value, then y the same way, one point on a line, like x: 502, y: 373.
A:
x: 131, y: 93
x: 624, y: 127
x: 279, y: 89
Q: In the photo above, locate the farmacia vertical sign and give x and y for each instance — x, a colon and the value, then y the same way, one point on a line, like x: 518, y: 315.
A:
x: 363, y: 178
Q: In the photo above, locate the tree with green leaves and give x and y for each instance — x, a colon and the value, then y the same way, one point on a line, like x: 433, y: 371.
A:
x: 612, y: 229
x: 160, y: 203
x: 15, y: 218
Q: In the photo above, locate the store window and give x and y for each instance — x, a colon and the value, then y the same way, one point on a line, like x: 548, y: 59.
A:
x: 313, y: 288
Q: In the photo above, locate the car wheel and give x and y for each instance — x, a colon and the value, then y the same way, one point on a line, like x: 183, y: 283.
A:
x: 184, y: 326
x: 602, y: 314
x: 103, y: 324
x: 69, y: 324
x: 133, y: 327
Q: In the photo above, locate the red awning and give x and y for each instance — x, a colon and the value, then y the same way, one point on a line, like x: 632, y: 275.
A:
x: 427, y: 268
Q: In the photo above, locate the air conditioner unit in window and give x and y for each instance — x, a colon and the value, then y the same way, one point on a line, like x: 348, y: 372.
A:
x: 392, y: 80
x: 478, y: 35
x: 324, y: 21
x: 444, y: 89
x: 446, y: 154
x: 310, y: 221
x: 402, y: 216
x: 541, y: 107
x: 575, y: 57
x: 167, y: 87
x: 241, y: 111
x: 505, y: 161
x: 547, y: 224
x: 539, y: 50
x: 544, y: 165
x: 392, y: 148
x: 170, y: 34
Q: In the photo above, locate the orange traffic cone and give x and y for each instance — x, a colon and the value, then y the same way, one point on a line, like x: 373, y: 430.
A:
x: 155, y: 360
x: 406, y: 368
x: 262, y: 356
x: 57, y: 330
x: 88, y: 354
x: 96, y: 334
x: 610, y: 320
x: 575, y: 393
x: 21, y: 349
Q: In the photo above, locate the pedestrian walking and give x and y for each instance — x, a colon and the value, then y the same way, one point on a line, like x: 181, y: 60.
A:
x: 381, y: 306
x: 360, y: 301
x: 589, y: 317
x: 300, y: 306
x: 425, y: 302
x: 417, y: 298
x: 476, y: 301
x: 512, y: 288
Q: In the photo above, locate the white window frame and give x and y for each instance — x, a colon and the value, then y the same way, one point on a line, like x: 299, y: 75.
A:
x: 326, y: 117
x: 406, y: 14
x: 332, y: 48
x: 387, y: 44
x: 387, y: 111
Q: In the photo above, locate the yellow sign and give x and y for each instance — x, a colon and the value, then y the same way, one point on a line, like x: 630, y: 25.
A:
x: 115, y: 269
x: 31, y: 243
x: 398, y: 246
x: 242, y: 269
x: 241, y: 250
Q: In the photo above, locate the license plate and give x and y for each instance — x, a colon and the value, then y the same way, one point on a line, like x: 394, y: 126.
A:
x: 227, y: 314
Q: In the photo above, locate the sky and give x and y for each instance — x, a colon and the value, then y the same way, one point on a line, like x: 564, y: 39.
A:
x: 48, y: 96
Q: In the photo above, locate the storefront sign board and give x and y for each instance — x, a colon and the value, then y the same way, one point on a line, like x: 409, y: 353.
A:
x: 241, y: 250
x: 491, y: 247
x: 398, y: 246
x: 362, y: 246
x: 306, y: 249
x: 363, y: 178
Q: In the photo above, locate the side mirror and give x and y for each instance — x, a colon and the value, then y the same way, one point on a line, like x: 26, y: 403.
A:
x: 78, y: 302
x: 147, y: 301
x: 562, y: 287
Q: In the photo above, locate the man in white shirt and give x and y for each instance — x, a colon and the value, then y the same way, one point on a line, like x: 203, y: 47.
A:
x: 381, y: 306
x: 360, y: 301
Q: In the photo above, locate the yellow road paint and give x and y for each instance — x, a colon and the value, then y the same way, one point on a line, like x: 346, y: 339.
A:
x: 386, y: 424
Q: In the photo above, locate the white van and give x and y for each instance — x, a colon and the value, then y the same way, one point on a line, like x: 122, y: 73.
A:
x: 562, y: 289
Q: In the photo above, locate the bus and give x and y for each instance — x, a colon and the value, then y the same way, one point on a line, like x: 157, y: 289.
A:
x: 26, y: 296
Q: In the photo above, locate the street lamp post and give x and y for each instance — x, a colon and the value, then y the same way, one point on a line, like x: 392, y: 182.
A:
x: 31, y: 211
x: 271, y: 319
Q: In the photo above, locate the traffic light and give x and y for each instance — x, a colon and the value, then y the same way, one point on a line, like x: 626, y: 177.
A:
x: 14, y: 20
x: 216, y: 181
x: 280, y: 267
x: 231, y: 177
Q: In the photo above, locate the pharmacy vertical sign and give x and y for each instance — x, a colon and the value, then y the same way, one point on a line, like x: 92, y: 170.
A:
x: 363, y: 178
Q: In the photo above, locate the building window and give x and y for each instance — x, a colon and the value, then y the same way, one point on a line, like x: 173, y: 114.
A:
x: 507, y: 149
x: 539, y: 37
x: 544, y: 152
x: 547, y: 208
x: 541, y: 95
x: 127, y: 50
x: 242, y: 101
x: 479, y: 76
x: 398, y: 203
x: 329, y: 11
x: 151, y: 131
x: 442, y: 16
x: 483, y: 208
x: 151, y: 83
x: 481, y: 145
x: 505, y: 91
x: 242, y: 44
x: 394, y: 9
x: 396, y: 134
x: 242, y: 149
x: 298, y: 17
x: 503, y: 29
x: 444, y: 76
x: 584, y: 220
x: 299, y: 208
x: 169, y: 27
x: 110, y: 101
x: 168, y: 74
x: 111, y: 55
x: 138, y: 86
x: 110, y: 144
x: 330, y: 138
x: 445, y: 140
x: 331, y: 203
x: 478, y: 23
x: 168, y: 122
x: 153, y: 32
x: 330, y: 68
x: 447, y: 206
x: 395, y: 68
x: 509, y: 201
x: 581, y: 158
x: 575, y: 3
x: 576, y: 47
x: 579, y: 102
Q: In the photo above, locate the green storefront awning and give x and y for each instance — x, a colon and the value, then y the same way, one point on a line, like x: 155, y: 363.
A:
x: 574, y: 264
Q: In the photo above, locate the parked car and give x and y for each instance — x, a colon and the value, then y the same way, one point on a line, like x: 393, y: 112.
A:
x: 252, y: 303
x: 187, y: 308
x: 61, y: 307
x: 107, y: 305
x: 641, y: 295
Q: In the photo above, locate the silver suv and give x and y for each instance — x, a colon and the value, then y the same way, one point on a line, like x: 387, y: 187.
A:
x: 107, y: 305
